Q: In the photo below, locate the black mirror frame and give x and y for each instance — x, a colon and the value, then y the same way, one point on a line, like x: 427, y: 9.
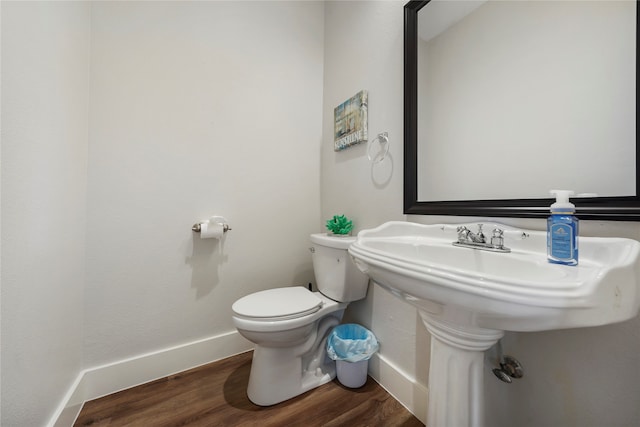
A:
x: 595, y: 208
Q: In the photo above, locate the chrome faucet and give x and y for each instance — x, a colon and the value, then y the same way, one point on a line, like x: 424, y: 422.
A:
x: 469, y: 239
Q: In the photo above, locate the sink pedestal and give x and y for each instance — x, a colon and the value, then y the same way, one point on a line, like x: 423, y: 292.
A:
x: 456, y: 372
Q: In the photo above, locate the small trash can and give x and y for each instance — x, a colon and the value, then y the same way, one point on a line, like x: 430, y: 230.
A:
x: 351, y: 346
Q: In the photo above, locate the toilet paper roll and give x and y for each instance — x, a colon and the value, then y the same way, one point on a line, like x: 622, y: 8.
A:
x: 211, y: 230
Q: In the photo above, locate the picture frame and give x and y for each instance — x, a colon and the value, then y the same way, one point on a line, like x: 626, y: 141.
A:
x: 350, y: 121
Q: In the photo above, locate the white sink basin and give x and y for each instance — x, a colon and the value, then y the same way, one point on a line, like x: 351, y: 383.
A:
x: 467, y: 297
x: 516, y: 291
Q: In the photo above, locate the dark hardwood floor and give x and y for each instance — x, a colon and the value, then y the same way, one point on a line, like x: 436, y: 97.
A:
x: 215, y: 395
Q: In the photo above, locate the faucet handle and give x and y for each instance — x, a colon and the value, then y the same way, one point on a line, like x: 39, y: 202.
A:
x: 497, y: 241
x: 463, y: 233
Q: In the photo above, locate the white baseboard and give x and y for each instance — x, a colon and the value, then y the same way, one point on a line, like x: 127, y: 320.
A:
x: 404, y: 388
x: 113, y: 377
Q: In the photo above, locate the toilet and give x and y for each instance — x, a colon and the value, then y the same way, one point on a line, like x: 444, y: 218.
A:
x: 289, y: 326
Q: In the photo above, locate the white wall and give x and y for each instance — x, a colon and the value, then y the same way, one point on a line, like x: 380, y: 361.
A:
x: 586, y: 377
x: 363, y: 50
x: 197, y: 108
x: 126, y: 123
x: 45, y: 63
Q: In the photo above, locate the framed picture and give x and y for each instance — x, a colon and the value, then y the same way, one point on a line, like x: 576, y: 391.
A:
x: 350, y: 125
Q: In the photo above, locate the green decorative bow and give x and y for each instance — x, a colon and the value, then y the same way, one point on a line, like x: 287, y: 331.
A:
x: 339, y: 225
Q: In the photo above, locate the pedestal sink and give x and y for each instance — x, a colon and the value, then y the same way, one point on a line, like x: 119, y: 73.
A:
x: 467, y: 297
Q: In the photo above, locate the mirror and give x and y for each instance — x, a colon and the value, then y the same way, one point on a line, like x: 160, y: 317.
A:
x: 459, y: 128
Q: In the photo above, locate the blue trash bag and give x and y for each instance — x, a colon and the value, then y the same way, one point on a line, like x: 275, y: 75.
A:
x: 351, y: 343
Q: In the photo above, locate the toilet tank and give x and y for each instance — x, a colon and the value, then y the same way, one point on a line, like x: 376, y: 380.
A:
x: 337, y: 277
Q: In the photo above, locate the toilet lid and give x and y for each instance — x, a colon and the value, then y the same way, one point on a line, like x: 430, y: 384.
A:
x: 278, y: 304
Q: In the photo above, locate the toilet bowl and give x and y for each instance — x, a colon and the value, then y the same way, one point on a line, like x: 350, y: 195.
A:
x: 289, y: 326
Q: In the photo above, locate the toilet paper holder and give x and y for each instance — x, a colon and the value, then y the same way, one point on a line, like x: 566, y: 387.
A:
x: 214, y: 219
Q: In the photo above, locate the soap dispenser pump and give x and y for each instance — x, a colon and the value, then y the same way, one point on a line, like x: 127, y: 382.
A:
x: 562, y: 230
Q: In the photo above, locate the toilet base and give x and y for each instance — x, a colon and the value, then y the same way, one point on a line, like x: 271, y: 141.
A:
x: 281, y: 373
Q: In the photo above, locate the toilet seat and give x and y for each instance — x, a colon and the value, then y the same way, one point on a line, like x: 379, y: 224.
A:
x: 277, y: 304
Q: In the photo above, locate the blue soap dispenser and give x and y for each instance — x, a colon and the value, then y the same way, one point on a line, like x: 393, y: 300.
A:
x: 562, y: 230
